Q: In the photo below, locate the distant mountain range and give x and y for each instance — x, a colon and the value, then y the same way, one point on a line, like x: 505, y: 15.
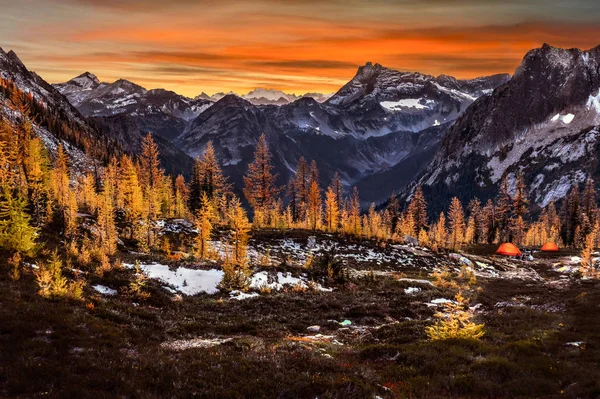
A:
x: 384, y: 131
x: 267, y: 97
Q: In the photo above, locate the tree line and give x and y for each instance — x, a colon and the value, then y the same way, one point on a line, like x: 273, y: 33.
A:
x: 130, y: 196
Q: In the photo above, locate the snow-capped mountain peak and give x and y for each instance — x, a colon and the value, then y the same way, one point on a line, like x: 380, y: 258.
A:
x: 269, y: 94
x: 86, y: 81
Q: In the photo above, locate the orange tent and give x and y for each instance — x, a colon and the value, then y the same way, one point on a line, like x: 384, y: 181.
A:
x: 550, y: 247
x: 508, y: 249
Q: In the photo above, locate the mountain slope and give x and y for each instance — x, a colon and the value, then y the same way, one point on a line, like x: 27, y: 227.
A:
x: 305, y: 128
x: 543, y: 122
x: 54, y: 119
x: 380, y: 148
x: 126, y: 112
x: 88, y: 141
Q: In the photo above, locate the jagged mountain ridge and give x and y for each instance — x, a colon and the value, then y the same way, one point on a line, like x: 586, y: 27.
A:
x: 235, y: 125
x: 127, y: 111
x: 377, y: 148
x: 97, y: 99
x: 158, y: 111
x: 544, y: 122
x: 407, y: 101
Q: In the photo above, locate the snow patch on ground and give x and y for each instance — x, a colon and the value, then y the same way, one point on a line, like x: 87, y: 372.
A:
x: 104, y: 290
x: 187, y: 281
x: 438, y: 301
x: 239, y: 295
x: 281, y: 280
x: 193, y: 281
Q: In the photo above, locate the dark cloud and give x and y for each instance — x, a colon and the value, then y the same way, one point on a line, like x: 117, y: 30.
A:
x: 573, y: 10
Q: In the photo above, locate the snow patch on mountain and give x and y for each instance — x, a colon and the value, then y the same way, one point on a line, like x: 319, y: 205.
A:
x: 594, y: 102
x: 405, y: 103
x: 568, y: 118
x: 558, y: 189
x: 463, y: 96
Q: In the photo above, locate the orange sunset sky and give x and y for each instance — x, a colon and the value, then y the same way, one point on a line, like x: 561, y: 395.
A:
x: 297, y: 46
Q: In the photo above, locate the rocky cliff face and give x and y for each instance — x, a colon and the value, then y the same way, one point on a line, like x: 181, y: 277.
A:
x: 543, y: 122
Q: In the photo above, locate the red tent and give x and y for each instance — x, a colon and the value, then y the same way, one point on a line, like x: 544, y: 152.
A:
x: 508, y: 249
x: 550, y: 247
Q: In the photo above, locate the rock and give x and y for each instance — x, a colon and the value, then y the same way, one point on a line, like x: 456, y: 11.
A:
x: 411, y: 241
x: 314, y: 328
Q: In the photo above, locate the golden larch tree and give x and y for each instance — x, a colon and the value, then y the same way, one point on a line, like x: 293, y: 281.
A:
x: 181, y: 197
x: 151, y: 178
x: 37, y: 165
x: 456, y: 223
x: 207, y: 178
x: 239, y: 225
x: 204, y: 217
x: 455, y: 322
x: 314, y: 206
x: 260, y: 188
x: 301, y: 185
x: 440, y: 233
x: 417, y: 207
x: 87, y: 196
x: 332, y: 210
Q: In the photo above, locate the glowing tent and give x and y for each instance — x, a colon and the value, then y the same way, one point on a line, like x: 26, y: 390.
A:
x: 550, y: 247
x: 508, y: 249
